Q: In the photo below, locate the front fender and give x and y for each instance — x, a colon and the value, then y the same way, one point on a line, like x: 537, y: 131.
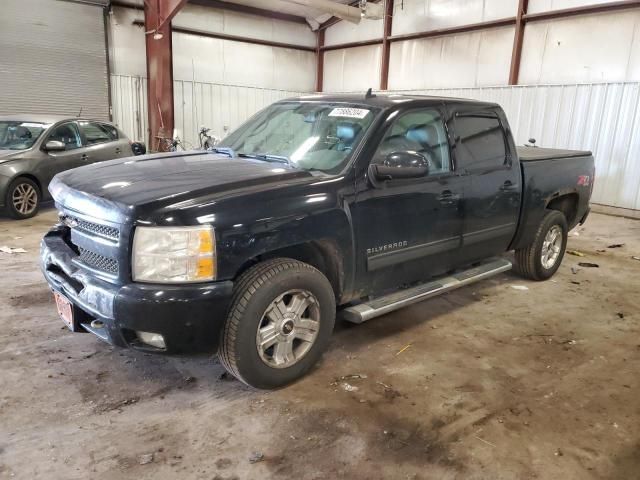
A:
x: 239, y: 245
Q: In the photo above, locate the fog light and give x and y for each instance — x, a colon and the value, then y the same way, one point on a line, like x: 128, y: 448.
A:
x: 153, y: 339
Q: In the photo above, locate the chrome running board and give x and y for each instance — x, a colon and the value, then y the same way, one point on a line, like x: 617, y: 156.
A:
x: 379, y: 306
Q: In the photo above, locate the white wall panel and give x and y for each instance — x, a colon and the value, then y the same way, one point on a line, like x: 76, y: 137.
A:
x: 214, y: 60
x: 129, y: 105
x: 126, y: 42
x: 592, y: 48
x: 410, y: 16
x: 603, y: 118
x: 213, y: 20
x: 352, y: 68
x: 345, y: 32
x: 218, y: 106
x: 536, y: 6
x: 476, y: 58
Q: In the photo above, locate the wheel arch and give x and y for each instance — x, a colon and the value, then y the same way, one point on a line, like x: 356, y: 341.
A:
x: 323, y: 254
x: 27, y: 175
x: 567, y: 203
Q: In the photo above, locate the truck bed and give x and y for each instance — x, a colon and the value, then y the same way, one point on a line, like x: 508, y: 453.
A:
x: 532, y: 154
x: 544, y: 177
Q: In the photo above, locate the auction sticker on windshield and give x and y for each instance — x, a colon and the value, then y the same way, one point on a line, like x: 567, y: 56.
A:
x: 349, y: 112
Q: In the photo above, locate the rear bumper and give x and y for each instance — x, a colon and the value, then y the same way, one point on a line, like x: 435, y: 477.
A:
x: 189, y: 317
x: 584, y: 217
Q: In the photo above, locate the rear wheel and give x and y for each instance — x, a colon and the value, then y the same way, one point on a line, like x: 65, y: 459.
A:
x: 279, y: 323
x: 23, y: 198
x: 541, y: 259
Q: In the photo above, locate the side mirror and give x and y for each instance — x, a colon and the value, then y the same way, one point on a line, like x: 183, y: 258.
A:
x: 55, y: 146
x: 138, y: 148
x: 405, y: 164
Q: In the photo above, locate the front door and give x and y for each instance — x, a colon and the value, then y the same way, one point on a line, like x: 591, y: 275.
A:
x: 482, y: 152
x: 408, y: 230
x: 73, y: 156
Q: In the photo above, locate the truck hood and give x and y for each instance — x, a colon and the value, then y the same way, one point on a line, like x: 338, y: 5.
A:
x: 168, y: 178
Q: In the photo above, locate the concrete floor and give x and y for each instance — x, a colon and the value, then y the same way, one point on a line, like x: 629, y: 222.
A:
x: 488, y: 382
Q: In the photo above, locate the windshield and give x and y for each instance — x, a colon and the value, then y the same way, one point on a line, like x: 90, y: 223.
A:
x: 312, y: 136
x: 16, y: 135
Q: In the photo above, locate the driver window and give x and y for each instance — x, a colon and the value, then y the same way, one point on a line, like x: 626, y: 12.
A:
x: 419, y: 131
x: 66, y: 133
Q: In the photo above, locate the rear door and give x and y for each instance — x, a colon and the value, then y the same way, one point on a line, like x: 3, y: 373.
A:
x: 101, y: 141
x: 493, y: 195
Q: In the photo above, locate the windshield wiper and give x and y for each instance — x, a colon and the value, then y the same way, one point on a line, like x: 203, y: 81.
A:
x: 267, y: 157
x: 224, y: 151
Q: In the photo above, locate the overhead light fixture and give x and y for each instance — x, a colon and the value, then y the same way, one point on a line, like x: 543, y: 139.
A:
x: 157, y: 35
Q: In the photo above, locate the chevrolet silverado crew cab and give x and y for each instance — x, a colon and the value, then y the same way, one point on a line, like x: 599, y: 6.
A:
x: 356, y: 204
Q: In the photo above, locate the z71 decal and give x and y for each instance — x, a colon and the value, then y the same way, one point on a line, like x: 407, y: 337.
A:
x: 583, y: 180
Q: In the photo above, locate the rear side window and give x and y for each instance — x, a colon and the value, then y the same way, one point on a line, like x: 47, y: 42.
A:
x: 481, y: 142
x: 95, y: 133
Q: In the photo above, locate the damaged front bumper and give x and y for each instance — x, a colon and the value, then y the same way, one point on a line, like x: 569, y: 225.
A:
x: 189, y: 317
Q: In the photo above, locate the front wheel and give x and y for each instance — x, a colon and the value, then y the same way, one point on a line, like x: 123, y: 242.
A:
x: 280, y: 321
x: 22, y: 199
x: 541, y: 259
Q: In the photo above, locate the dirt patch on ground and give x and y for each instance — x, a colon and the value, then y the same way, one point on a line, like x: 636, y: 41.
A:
x: 488, y: 382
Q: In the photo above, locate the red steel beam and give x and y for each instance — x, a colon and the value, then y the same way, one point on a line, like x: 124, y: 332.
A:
x: 386, y: 45
x: 235, y: 7
x: 319, y: 60
x: 518, y: 38
x: 237, y: 38
x: 157, y: 25
x: 361, y: 43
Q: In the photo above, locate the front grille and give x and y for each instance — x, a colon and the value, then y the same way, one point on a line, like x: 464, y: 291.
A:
x: 98, y: 262
x: 97, y: 229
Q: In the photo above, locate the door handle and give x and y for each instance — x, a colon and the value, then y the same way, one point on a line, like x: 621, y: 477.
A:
x: 84, y: 156
x: 508, y: 185
x: 118, y: 150
x: 447, y: 197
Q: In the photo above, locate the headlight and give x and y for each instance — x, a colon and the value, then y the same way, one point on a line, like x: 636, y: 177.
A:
x: 174, y: 255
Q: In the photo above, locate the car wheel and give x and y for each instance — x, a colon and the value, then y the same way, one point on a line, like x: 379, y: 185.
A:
x: 23, y: 198
x: 541, y: 259
x: 280, y: 321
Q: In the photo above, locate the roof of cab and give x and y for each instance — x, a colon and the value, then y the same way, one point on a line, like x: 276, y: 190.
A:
x: 47, y: 119
x: 383, y: 100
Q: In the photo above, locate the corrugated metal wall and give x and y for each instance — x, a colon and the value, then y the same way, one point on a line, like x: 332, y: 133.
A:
x: 218, y: 106
x: 603, y: 118
x: 129, y: 105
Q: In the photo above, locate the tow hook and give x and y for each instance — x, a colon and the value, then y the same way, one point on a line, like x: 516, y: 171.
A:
x: 97, y: 324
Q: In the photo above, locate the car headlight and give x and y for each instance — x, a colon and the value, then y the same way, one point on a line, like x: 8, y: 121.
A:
x: 174, y: 254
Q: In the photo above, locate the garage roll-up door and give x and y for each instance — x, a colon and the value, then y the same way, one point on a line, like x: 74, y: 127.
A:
x: 53, y: 58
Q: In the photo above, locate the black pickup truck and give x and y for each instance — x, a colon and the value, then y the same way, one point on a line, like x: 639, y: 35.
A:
x: 356, y: 204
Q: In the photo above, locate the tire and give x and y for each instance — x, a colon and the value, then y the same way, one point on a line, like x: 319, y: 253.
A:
x: 256, y: 292
x: 22, y: 187
x: 530, y: 262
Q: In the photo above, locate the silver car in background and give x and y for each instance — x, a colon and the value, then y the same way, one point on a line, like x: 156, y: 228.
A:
x: 34, y: 148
